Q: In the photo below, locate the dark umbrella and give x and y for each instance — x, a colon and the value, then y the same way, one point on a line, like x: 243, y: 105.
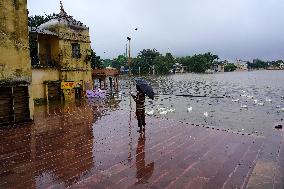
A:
x: 145, y: 87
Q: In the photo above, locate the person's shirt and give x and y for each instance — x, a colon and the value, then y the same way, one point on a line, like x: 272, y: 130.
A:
x: 140, y: 101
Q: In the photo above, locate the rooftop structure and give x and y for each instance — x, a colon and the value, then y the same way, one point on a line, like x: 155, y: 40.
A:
x: 63, y: 57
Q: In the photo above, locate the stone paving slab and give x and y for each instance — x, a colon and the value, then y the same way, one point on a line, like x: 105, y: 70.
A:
x: 87, y: 146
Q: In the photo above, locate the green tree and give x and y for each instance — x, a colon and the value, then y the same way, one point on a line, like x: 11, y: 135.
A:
x: 96, y: 61
x: 121, y: 60
x: 107, y: 63
x: 230, y: 67
x: 163, y: 64
x: 36, y: 20
x: 144, y: 61
x: 198, y: 63
x: 257, y: 64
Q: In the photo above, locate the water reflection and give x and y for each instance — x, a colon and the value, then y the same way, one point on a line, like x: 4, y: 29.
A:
x: 56, y: 150
x: 143, y: 171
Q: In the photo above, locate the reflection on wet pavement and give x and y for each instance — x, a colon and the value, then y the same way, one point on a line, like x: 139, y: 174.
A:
x: 88, y: 145
x: 144, y: 172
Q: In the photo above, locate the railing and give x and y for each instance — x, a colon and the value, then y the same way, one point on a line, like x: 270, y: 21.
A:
x: 44, y: 63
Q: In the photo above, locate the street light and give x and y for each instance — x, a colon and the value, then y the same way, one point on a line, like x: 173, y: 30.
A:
x: 129, y: 58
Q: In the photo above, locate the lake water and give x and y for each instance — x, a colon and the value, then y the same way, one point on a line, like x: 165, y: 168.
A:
x: 248, y: 102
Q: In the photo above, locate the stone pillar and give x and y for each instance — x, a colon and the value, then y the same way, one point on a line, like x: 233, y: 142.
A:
x: 46, y: 92
x: 105, y: 84
x: 117, y: 84
x: 110, y: 83
x: 100, y: 81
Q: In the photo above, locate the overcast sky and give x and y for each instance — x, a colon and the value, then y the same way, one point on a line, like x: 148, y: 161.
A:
x: 244, y: 29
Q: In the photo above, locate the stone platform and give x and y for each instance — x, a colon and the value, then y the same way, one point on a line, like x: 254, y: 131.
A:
x: 91, y: 146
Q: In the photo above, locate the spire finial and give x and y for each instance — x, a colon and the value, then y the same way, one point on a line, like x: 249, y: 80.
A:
x: 61, y: 6
x: 62, y: 11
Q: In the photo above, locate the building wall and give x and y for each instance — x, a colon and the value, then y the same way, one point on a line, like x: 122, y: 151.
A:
x: 75, y: 69
x: 14, y: 52
x: 67, y: 37
x: 15, y: 61
x: 41, y: 75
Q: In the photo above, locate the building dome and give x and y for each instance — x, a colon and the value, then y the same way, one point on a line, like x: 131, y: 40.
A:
x: 63, y: 19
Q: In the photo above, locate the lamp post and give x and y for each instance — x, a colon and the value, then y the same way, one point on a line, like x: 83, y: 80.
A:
x: 130, y: 126
x: 129, y: 56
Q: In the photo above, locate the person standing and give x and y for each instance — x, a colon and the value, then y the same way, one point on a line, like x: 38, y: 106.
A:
x: 140, y: 107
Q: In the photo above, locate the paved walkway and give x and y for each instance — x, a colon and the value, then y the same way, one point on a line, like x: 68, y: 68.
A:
x: 90, y: 147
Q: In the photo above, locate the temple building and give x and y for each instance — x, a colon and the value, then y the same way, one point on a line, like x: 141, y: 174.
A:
x: 16, y: 102
x: 62, y: 68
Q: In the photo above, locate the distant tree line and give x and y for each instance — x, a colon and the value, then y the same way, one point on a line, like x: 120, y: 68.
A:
x: 150, y: 60
x: 260, y: 64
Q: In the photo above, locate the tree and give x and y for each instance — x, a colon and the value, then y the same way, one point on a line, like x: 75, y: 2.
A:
x: 163, y: 64
x: 230, y: 67
x: 257, y: 64
x: 121, y: 60
x: 35, y: 21
x: 107, y: 63
x: 96, y: 61
x: 144, y: 61
x: 198, y: 63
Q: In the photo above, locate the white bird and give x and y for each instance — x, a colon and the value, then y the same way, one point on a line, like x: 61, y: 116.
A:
x: 236, y: 100
x: 249, y: 97
x: 171, y: 110
x: 243, y: 91
x: 163, y: 112
x: 268, y: 99
x: 161, y: 109
x: 205, y: 114
x: 244, y: 106
x: 255, y: 101
x: 189, y: 109
x: 151, y: 112
x: 260, y: 104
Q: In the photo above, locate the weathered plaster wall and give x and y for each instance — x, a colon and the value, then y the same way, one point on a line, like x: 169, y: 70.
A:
x: 39, y: 76
x: 14, y: 52
x: 65, y: 44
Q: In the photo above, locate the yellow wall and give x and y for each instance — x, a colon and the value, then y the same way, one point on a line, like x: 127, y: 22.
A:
x: 39, y: 76
x: 14, y: 52
x: 14, y: 43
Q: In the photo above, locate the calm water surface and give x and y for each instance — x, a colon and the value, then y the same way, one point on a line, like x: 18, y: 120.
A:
x: 249, y: 102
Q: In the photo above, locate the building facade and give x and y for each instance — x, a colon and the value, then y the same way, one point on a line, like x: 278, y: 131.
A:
x: 16, y: 103
x: 63, y: 68
x: 241, y: 65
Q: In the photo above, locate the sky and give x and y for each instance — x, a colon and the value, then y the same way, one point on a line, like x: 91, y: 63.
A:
x: 232, y: 29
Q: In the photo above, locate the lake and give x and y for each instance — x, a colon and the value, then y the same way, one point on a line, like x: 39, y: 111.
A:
x: 247, y: 102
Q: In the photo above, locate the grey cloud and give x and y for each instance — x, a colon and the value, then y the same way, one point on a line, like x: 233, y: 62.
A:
x: 230, y: 28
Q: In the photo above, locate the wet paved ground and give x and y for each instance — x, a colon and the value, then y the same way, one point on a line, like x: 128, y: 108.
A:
x: 89, y: 146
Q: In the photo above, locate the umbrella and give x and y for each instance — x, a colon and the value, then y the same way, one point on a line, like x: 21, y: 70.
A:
x: 145, y: 87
